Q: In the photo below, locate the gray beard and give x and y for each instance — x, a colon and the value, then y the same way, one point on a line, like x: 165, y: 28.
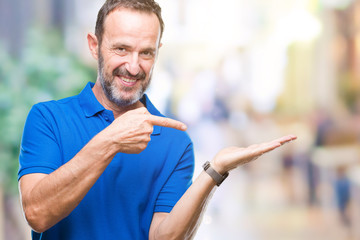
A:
x: 111, y: 91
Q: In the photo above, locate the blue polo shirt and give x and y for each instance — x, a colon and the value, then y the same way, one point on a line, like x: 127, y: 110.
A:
x: 121, y: 203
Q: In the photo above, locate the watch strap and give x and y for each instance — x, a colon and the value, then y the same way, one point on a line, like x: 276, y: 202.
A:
x: 217, y: 177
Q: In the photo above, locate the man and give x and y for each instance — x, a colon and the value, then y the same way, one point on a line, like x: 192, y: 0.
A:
x: 105, y: 164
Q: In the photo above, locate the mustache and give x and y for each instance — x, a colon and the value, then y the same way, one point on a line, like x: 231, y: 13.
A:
x: 123, y: 72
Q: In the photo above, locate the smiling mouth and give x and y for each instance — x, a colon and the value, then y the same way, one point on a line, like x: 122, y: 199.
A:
x: 128, y: 82
x: 127, y: 79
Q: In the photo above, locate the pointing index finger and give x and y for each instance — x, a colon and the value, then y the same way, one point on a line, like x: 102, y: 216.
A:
x: 167, y: 122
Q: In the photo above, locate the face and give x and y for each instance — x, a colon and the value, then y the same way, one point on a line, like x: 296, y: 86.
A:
x: 127, y: 55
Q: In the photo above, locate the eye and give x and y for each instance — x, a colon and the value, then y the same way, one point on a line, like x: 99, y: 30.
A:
x: 121, y: 51
x: 148, y: 54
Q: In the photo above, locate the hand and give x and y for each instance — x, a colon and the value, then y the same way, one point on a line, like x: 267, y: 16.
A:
x: 232, y: 157
x: 131, y: 131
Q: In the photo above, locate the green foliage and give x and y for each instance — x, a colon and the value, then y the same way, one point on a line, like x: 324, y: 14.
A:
x: 45, y: 71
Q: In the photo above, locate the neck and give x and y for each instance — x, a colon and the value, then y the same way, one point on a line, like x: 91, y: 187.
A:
x: 103, y: 100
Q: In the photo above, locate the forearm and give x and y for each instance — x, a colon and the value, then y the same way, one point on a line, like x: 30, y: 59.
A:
x: 185, y: 217
x: 52, y: 197
x: 182, y: 221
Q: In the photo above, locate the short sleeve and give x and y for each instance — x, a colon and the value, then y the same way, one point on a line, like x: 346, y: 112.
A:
x: 39, y: 150
x: 178, y: 182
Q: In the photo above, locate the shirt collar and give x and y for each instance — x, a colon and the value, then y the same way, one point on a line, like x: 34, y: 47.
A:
x: 88, y: 101
x: 92, y: 106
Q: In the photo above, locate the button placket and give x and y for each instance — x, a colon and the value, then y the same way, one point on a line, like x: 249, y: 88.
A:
x: 108, y: 117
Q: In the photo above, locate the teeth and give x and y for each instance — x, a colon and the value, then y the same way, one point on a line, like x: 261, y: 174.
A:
x: 128, y: 80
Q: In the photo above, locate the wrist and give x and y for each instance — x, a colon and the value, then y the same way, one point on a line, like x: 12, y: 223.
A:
x: 218, y: 167
x: 103, y: 145
x: 215, y: 175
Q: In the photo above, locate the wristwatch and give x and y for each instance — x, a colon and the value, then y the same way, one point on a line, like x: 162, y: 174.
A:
x: 218, y: 178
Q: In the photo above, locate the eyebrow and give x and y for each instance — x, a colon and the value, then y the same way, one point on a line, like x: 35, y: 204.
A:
x: 120, y: 45
x: 126, y: 46
x: 150, y: 49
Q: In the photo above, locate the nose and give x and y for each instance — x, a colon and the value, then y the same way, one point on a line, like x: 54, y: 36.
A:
x: 133, y: 65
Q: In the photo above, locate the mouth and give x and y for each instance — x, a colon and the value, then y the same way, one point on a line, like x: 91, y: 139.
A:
x: 129, y: 82
x: 126, y: 79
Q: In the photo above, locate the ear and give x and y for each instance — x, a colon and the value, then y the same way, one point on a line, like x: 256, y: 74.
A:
x: 157, y: 52
x: 93, y: 45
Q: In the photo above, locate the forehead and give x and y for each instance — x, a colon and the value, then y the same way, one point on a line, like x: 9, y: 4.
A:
x: 135, y: 25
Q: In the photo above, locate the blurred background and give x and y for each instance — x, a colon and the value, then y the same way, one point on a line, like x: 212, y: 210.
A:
x: 237, y: 72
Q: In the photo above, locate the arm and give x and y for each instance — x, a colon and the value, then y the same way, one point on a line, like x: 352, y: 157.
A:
x: 183, y: 220
x: 48, y: 198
